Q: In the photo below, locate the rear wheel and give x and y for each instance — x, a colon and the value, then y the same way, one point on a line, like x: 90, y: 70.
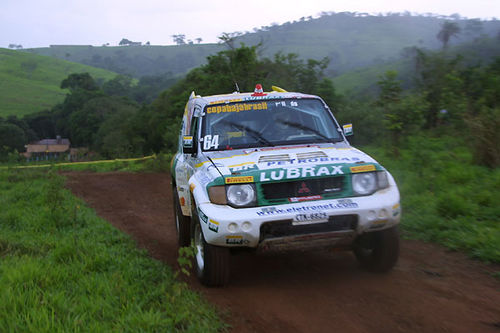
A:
x: 182, y: 223
x: 211, y: 262
x: 378, y: 251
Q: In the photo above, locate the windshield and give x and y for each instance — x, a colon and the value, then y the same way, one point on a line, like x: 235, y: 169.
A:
x: 267, y: 123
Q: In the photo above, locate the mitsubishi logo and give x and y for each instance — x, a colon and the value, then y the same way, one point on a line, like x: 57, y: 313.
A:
x: 303, y: 188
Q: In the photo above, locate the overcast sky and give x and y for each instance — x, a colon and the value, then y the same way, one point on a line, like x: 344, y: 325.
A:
x: 39, y: 23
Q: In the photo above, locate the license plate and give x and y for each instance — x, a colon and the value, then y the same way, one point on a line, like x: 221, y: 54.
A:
x: 310, y: 218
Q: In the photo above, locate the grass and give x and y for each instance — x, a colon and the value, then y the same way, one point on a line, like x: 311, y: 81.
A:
x: 63, y: 269
x: 446, y: 197
x: 30, y: 83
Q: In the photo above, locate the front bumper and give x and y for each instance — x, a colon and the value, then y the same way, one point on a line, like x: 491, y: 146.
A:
x: 347, y: 218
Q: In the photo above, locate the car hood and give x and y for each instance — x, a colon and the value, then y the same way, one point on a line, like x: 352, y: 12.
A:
x: 310, y: 161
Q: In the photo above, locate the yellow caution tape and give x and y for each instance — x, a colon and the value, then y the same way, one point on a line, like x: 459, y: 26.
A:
x: 76, y: 163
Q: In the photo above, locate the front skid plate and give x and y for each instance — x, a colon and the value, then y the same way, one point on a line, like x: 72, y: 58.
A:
x: 334, y: 239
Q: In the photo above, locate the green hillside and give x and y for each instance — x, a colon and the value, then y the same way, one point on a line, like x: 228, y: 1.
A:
x: 136, y: 61
x: 30, y: 83
x: 349, y: 40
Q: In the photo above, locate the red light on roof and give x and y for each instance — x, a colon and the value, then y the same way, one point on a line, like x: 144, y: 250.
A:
x: 258, y: 90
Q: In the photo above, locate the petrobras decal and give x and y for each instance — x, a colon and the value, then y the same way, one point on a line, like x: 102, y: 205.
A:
x: 300, y: 172
x: 317, y: 160
x: 338, y: 204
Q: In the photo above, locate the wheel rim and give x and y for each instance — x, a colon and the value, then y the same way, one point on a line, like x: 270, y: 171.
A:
x: 177, y: 222
x: 198, y: 242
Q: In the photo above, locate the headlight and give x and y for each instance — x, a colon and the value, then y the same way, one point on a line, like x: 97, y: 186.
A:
x: 364, y: 183
x: 241, y: 195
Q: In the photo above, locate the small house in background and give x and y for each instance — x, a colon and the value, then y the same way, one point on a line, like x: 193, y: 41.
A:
x: 48, y: 149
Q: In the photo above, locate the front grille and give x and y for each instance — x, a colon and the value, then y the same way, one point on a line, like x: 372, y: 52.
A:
x: 303, y: 188
x: 285, y: 228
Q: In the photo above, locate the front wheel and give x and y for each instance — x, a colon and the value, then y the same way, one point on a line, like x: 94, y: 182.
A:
x: 378, y: 251
x: 182, y: 223
x: 211, y: 262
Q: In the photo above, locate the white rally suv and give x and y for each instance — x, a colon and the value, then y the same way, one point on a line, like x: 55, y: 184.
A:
x: 274, y: 172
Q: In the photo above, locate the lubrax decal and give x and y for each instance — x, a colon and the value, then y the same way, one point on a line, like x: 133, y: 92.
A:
x: 314, y: 160
x: 309, y: 171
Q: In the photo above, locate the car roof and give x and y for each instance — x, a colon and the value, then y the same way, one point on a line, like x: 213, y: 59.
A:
x: 240, y: 97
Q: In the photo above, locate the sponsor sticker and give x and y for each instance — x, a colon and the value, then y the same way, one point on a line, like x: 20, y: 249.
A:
x: 339, y: 204
x: 202, y: 216
x: 237, y: 107
x: 188, y: 141
x: 234, y: 240
x: 308, y: 198
x: 301, y: 172
x: 240, y: 179
x: 242, y: 166
x: 363, y: 168
x: 226, y: 101
x: 396, y: 210
x: 213, y: 225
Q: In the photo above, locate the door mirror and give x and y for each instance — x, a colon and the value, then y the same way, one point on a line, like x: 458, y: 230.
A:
x: 348, y: 130
x: 188, y: 146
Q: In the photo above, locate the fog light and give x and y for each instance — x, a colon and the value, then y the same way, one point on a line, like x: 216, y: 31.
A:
x: 246, y: 226
x: 232, y: 227
x: 371, y: 215
x: 382, y: 214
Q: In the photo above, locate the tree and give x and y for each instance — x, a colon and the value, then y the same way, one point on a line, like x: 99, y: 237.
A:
x: 198, y: 40
x: 179, y: 39
x: 79, y: 81
x: 119, y: 86
x: 401, y: 113
x: 448, y: 29
x: 125, y: 41
x: 12, y: 138
x: 229, y: 38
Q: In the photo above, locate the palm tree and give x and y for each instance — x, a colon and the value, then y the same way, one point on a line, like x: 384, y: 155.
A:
x: 448, y: 30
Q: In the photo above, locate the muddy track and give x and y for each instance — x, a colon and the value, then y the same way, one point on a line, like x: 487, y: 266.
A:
x: 430, y: 290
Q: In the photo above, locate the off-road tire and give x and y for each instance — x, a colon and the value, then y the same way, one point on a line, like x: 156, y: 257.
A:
x: 378, y: 251
x: 211, y: 262
x: 182, y: 223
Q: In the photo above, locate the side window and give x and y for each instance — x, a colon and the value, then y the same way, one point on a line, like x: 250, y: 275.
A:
x: 195, y: 120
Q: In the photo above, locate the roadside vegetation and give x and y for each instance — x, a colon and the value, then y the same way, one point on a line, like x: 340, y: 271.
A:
x: 446, y: 197
x: 63, y: 269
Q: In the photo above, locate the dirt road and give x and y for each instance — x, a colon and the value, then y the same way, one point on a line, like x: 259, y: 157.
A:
x: 430, y: 289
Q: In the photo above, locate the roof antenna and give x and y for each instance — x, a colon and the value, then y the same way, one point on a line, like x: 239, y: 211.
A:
x: 237, y: 88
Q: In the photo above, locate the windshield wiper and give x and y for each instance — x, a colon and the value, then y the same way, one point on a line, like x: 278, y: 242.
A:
x: 253, y: 133
x: 302, y: 127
